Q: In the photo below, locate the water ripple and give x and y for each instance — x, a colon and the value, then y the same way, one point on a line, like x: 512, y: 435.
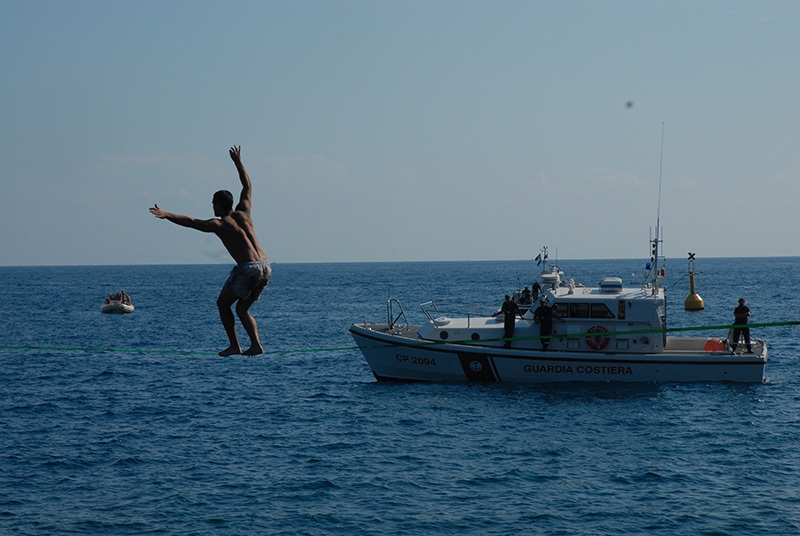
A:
x: 97, y: 442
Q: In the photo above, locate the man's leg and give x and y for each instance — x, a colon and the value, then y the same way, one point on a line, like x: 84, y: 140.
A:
x: 508, y: 332
x: 249, y: 322
x: 224, y: 303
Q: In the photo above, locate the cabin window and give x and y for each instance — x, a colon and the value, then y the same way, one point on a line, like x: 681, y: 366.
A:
x: 561, y: 310
x: 599, y: 310
x: 579, y: 310
x: 583, y: 310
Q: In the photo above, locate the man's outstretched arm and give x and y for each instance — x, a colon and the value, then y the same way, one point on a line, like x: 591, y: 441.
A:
x: 207, y: 226
x: 245, y: 198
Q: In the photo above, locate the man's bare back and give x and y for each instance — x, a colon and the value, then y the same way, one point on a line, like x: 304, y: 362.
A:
x: 239, y: 238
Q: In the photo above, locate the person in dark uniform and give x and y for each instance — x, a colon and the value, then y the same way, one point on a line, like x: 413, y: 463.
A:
x: 543, y: 315
x: 740, y: 315
x: 535, y: 291
x: 510, y: 311
x: 525, y: 299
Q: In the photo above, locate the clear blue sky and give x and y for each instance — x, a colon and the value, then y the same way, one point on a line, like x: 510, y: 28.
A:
x: 400, y: 130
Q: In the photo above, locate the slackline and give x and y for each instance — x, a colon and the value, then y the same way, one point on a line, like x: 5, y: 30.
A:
x: 408, y: 342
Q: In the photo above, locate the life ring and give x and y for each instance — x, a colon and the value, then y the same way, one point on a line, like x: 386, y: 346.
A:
x: 597, y: 342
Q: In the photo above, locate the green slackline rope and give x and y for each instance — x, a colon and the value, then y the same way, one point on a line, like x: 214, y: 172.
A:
x: 409, y: 343
x: 599, y: 334
x: 162, y: 352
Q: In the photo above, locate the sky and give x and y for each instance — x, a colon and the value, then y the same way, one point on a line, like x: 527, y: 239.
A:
x: 400, y: 130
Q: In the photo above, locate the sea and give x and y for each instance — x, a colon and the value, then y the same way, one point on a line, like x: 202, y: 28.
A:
x: 131, y: 424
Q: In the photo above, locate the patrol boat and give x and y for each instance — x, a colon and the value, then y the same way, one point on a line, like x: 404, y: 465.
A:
x: 605, y: 333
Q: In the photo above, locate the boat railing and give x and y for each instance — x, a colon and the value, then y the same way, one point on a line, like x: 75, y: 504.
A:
x: 440, y: 312
x: 392, y: 304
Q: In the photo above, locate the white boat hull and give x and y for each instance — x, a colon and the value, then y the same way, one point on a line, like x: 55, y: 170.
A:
x: 400, y: 355
x: 116, y: 308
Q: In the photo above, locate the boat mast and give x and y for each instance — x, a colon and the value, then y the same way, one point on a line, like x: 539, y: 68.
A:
x: 656, y: 241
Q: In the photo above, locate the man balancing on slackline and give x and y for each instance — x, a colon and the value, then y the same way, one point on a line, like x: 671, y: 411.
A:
x: 252, y: 271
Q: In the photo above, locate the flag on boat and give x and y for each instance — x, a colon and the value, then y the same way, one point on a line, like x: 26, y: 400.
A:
x: 539, y: 258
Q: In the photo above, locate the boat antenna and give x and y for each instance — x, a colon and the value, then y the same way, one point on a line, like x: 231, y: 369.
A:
x: 657, y: 240
x: 660, y: 173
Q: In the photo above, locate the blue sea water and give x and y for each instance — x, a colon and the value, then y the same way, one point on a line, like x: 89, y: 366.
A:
x: 131, y: 424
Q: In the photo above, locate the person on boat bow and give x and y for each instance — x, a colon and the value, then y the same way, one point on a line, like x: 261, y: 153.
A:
x: 510, y: 311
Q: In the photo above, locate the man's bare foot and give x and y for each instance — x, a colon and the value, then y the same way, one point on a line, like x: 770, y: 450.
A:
x: 254, y: 350
x: 230, y: 350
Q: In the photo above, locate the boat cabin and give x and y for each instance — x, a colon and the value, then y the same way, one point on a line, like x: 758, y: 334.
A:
x: 606, y: 318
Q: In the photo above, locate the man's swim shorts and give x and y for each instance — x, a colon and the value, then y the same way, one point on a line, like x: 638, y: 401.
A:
x: 249, y: 277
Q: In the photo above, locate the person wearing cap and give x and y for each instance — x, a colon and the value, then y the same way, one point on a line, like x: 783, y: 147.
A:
x: 543, y: 315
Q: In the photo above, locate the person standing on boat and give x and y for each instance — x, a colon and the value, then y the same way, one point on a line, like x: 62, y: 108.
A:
x: 510, y: 311
x: 247, y: 279
x: 543, y: 315
x: 740, y: 315
x: 535, y: 289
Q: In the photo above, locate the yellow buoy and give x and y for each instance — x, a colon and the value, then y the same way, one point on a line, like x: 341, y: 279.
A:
x: 693, y: 302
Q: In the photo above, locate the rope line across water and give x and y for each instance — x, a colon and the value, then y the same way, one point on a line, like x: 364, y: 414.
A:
x: 415, y: 343
x: 161, y: 352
